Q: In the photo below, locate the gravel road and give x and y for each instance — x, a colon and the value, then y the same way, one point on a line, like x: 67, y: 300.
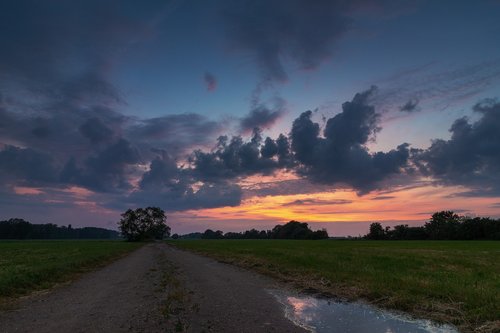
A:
x: 155, y: 289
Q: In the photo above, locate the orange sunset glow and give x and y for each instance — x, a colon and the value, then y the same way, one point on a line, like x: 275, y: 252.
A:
x: 406, y: 205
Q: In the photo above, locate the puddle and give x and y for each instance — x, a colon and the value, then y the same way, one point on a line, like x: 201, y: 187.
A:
x: 324, y: 315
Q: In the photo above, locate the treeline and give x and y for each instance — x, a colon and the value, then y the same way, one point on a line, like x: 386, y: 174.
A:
x: 444, y: 225
x: 21, y: 229
x: 290, y: 230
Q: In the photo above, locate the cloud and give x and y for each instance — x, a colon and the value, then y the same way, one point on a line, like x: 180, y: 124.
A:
x: 299, y: 33
x: 26, y: 166
x: 210, y: 81
x: 235, y: 158
x: 95, y: 130
x: 163, y: 171
x: 173, y: 188
x: 437, y: 89
x: 384, y: 197
x: 471, y: 157
x: 317, y: 202
x: 60, y: 119
x: 105, y: 171
x: 262, y: 117
x: 177, y: 133
x: 178, y: 198
x: 279, y: 148
x: 79, y: 34
x: 410, y: 106
x: 285, y: 187
x: 341, y: 156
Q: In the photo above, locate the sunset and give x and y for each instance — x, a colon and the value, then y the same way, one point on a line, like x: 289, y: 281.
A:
x: 352, y: 120
x: 99, y: 105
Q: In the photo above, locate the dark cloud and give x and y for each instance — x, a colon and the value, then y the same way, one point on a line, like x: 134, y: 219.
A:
x: 179, y: 198
x: 285, y: 187
x: 262, y: 117
x: 54, y: 73
x: 410, y: 106
x: 57, y: 99
x: 356, y: 124
x: 60, y: 131
x: 210, y: 81
x: 105, y: 171
x: 41, y: 40
x: 25, y: 165
x: 318, y: 202
x: 94, y: 130
x: 269, y: 149
x: 341, y: 156
x: 277, y: 149
x: 233, y: 158
x: 302, y: 32
x: 471, y: 157
x: 384, y: 197
x: 94, y: 146
x: 173, y: 188
x: 177, y: 133
x: 163, y: 171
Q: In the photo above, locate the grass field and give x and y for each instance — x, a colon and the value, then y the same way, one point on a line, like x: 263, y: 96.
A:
x: 449, y: 281
x: 26, y: 266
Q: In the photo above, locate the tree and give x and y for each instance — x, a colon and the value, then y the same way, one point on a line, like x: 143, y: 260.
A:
x: 144, y: 224
x: 210, y: 234
x: 377, y: 232
x: 296, y: 230
x: 443, y: 225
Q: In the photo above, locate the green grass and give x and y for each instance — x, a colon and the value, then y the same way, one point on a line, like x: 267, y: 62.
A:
x: 26, y: 266
x: 449, y: 281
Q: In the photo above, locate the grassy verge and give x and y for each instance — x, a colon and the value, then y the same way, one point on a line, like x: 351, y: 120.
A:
x: 26, y: 266
x: 448, y: 281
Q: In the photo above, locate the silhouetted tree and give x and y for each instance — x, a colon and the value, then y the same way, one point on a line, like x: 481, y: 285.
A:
x: 20, y: 229
x: 290, y: 230
x: 144, y: 224
x: 377, y: 232
x: 233, y: 235
x: 210, y: 234
x: 192, y: 235
x: 296, y: 230
x: 443, y: 225
x: 320, y: 234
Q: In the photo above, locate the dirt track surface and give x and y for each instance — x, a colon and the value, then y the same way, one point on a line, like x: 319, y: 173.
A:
x: 155, y: 289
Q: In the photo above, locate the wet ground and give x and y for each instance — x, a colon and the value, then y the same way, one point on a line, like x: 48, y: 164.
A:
x: 326, y: 315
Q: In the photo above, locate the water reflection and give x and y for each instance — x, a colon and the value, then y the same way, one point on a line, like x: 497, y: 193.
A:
x: 323, y: 315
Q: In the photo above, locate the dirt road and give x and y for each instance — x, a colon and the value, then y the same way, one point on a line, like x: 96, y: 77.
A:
x: 155, y: 289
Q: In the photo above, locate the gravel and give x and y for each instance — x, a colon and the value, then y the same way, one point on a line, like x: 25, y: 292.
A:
x: 157, y: 288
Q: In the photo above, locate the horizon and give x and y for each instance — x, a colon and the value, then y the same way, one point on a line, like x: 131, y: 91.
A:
x: 232, y: 115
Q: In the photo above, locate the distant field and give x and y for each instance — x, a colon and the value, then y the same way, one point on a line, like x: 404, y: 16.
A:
x: 449, y: 281
x: 26, y: 266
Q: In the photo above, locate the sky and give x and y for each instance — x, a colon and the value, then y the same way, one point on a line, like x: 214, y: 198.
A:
x: 239, y: 114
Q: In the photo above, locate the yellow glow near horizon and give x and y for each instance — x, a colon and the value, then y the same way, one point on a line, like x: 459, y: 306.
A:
x: 413, y: 204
